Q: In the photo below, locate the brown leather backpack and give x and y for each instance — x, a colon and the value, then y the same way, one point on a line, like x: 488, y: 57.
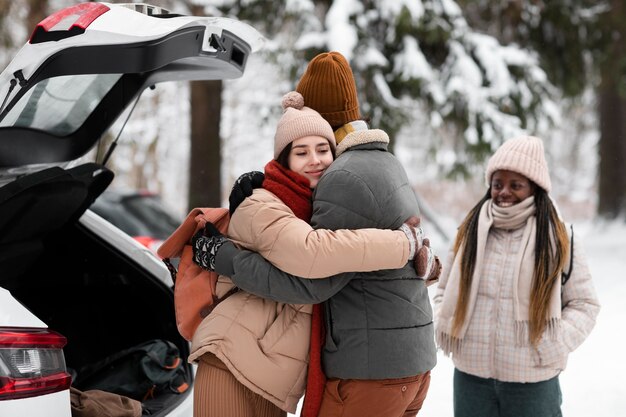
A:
x: 194, y: 288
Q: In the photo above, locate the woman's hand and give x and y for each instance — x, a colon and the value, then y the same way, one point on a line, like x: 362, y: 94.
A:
x: 427, y: 264
x: 243, y: 187
x: 414, y: 233
x: 205, y: 244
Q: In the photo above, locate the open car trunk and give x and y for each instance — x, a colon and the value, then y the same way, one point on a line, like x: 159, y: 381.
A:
x: 91, y: 291
x: 77, y: 274
x: 97, y: 297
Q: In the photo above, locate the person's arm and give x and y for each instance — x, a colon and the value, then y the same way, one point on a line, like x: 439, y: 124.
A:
x: 267, y: 226
x: 443, y: 282
x: 580, y: 301
x: 343, y: 200
x: 580, y: 307
x: 252, y: 273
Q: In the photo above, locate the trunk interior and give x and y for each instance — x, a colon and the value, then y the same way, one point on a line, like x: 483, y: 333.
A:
x: 100, y: 300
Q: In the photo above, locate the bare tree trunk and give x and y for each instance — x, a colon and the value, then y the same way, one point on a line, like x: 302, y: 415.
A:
x: 612, y: 151
x: 37, y: 11
x: 205, y: 158
x: 205, y: 155
x: 612, y: 108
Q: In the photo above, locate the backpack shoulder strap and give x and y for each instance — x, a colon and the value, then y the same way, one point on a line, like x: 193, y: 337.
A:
x: 173, y: 245
x: 219, y: 216
x: 565, y: 275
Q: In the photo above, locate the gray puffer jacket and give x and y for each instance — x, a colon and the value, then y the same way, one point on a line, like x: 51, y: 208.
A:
x: 379, y: 324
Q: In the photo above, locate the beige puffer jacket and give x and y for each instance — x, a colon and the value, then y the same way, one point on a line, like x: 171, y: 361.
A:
x: 263, y: 343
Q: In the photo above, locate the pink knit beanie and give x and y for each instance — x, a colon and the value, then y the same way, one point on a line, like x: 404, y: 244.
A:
x: 524, y: 155
x: 299, y: 121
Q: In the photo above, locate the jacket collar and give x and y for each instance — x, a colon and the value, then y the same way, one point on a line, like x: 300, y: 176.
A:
x: 357, y: 133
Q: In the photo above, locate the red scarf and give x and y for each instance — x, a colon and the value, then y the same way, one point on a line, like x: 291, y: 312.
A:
x: 293, y: 189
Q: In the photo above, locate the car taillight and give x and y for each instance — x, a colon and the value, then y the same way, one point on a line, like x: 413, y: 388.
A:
x: 31, y: 363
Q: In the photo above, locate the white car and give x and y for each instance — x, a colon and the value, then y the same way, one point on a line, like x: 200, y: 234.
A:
x: 74, y: 289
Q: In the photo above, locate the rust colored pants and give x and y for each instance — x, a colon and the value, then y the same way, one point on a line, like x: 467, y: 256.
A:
x: 402, y: 397
x: 217, y: 393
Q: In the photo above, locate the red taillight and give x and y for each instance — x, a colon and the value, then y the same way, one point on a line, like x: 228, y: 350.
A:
x: 31, y: 363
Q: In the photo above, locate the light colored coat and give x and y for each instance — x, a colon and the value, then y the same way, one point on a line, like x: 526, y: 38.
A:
x: 264, y: 343
x: 489, y: 349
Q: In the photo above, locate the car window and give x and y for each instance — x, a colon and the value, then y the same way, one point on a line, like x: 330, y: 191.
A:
x: 153, y: 215
x: 60, y: 105
x: 116, y: 215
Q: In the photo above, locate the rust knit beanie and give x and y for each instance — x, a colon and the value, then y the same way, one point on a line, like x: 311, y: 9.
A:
x: 524, y: 155
x: 328, y: 86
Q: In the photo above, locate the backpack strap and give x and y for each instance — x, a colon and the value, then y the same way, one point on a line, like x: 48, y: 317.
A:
x: 565, y: 275
x: 172, y: 247
x: 171, y: 268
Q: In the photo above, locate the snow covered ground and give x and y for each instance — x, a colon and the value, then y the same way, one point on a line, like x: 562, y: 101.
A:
x: 593, y: 383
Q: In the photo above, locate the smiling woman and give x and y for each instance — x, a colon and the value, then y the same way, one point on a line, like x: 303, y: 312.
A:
x: 310, y: 156
x: 509, y: 188
x: 503, y: 309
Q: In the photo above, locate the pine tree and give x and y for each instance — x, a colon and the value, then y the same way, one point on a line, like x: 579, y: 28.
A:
x: 415, y: 57
x: 581, y: 44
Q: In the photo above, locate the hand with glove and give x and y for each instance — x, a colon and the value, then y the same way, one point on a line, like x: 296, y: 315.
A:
x: 243, y: 187
x: 427, y: 265
x: 205, y: 244
x: 433, y: 278
x: 413, y: 231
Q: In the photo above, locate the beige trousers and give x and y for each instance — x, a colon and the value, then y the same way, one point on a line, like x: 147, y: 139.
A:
x: 217, y: 393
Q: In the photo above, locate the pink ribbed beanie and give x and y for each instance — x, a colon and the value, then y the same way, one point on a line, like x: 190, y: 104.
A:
x: 524, y: 155
x: 299, y: 121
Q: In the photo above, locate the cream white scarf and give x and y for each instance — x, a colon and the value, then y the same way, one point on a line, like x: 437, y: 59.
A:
x: 519, y: 215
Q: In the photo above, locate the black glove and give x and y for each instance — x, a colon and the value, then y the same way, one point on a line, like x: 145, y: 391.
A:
x: 243, y: 188
x: 205, y: 244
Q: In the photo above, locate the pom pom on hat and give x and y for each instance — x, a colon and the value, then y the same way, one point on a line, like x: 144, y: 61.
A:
x: 293, y: 99
x: 299, y: 121
x: 524, y: 155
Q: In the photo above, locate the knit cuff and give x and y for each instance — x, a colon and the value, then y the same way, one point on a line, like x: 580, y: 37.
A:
x: 224, y: 259
x: 412, y: 239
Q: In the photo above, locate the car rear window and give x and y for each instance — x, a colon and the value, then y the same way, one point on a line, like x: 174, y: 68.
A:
x: 60, y: 105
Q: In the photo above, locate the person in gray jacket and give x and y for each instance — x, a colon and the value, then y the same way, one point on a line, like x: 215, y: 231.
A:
x: 379, y: 340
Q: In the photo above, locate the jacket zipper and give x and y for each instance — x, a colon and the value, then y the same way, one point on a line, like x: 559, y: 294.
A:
x: 500, y: 280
